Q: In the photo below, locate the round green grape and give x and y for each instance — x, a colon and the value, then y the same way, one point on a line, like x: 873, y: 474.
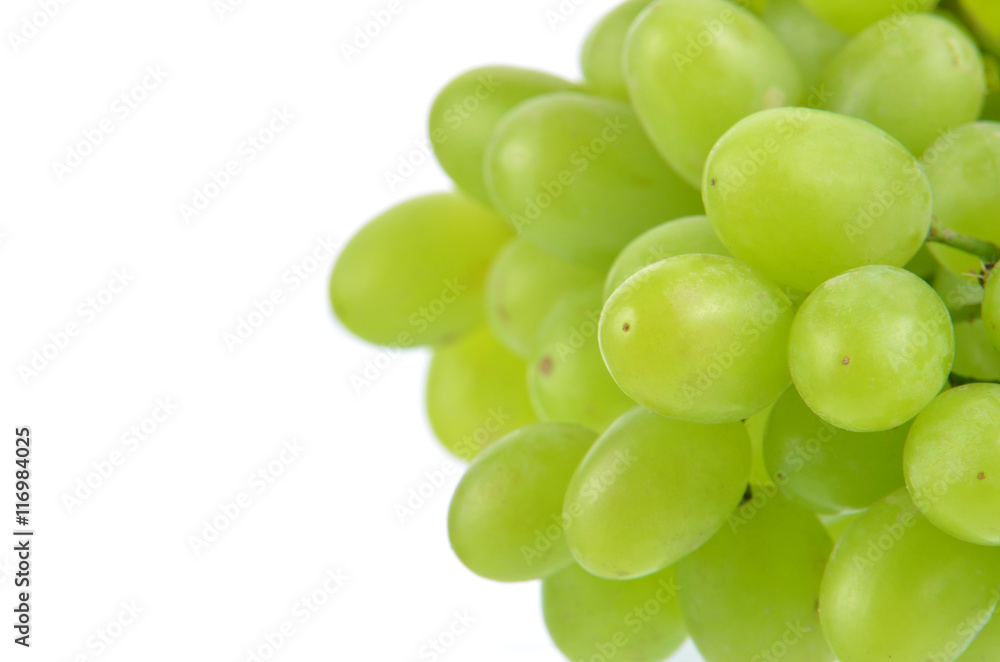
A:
x: 826, y: 469
x: 601, y: 59
x: 476, y: 393
x: 952, y: 463
x: 681, y: 236
x: 915, y: 81
x: 897, y: 589
x: 871, y: 348
x: 651, y: 491
x: 415, y: 274
x: 698, y: 337
x: 505, y: 521
x: 467, y: 110
x: 576, y: 175
x: 804, y: 195
x: 752, y: 589
x: 975, y: 356
x: 810, y: 40
x: 696, y: 67
x: 638, y: 620
x: 965, y: 179
x: 567, y: 378
x: 522, y: 285
x: 853, y: 16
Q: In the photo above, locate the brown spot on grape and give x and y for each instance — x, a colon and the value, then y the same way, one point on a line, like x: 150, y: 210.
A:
x: 981, y: 476
x: 545, y: 365
x: 847, y: 360
x: 626, y: 326
x: 713, y: 181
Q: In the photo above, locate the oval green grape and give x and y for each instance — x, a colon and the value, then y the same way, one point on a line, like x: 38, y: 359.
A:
x: 699, y: 338
x: 468, y: 109
x: 576, y: 175
x: 651, y: 491
x: 975, y: 356
x: 415, y: 274
x: 853, y: 16
x: 476, y: 394
x: 871, y: 348
x: 601, y: 59
x: 505, y: 518
x: 590, y: 617
x: 804, y: 195
x: 812, y: 41
x: 897, y: 589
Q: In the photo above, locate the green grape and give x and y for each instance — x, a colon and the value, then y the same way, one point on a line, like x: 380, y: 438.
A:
x: 871, y: 348
x: 923, y: 264
x: 750, y: 592
x: 952, y: 463
x: 522, y: 285
x: 915, y: 81
x: 576, y: 175
x: 589, y: 617
x: 853, y: 16
x: 897, y: 589
x: 698, y: 337
x: 986, y: 647
x: 991, y: 107
x: 811, y: 41
x: 826, y: 469
x: 962, y: 295
x: 505, y: 519
x: 696, y: 67
x: 681, y: 236
x: 837, y: 523
x: 468, y: 109
x: 965, y: 179
x: 991, y: 310
x: 983, y: 16
x: 651, y: 491
x: 415, y: 274
x: 476, y: 393
x: 804, y: 195
x: 757, y: 428
x: 975, y: 356
x: 601, y: 58
x: 567, y: 378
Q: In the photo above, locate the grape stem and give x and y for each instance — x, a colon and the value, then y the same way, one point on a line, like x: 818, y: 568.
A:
x: 987, y: 252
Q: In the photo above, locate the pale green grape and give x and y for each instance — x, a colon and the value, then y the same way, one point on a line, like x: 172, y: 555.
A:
x: 975, y: 356
x: 696, y: 67
x: 897, y: 589
x: 757, y: 428
x: 986, y: 647
x: 965, y: 179
x: 651, y: 491
x: 505, y: 519
x: 601, y: 58
x: 467, y: 110
x: 414, y: 275
x: 991, y: 310
x: 915, y: 81
x: 567, y: 378
x: 522, y: 285
x: 476, y: 393
x: 698, y: 337
x: 952, y: 463
x: 853, y: 16
x: 750, y: 593
x: 962, y: 295
x: 871, y: 348
x: 804, y: 195
x: 923, y: 264
x: 576, y: 175
x: 588, y: 617
x: 983, y: 16
x: 810, y: 40
x: 681, y: 236
x: 837, y: 523
x: 827, y: 469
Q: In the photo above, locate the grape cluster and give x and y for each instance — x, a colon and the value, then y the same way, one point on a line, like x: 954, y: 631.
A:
x: 716, y: 329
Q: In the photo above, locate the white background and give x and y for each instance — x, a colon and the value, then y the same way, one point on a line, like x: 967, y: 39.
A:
x: 161, y: 338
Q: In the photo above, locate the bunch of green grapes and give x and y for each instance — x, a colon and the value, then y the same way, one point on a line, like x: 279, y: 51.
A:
x: 717, y: 329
